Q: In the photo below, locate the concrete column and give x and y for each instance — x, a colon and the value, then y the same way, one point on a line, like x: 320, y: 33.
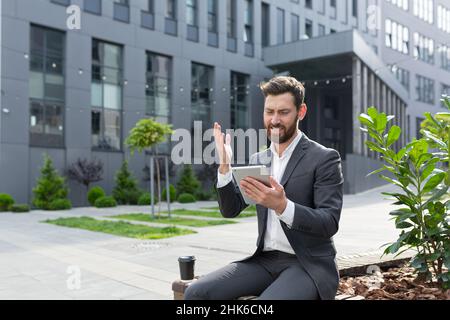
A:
x: 364, y: 89
x: 404, y: 128
x: 397, y: 118
x: 371, y: 101
x: 356, y: 100
x: 257, y: 28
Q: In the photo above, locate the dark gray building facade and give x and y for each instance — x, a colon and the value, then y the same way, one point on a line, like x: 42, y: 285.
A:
x: 76, y: 92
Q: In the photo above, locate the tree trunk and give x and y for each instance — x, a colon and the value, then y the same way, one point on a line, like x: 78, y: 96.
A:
x: 158, y: 178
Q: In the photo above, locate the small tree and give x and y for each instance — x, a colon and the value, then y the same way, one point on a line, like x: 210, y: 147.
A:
x: 423, y: 216
x: 146, y: 134
x: 126, y: 190
x: 188, y: 182
x: 50, y: 186
x: 86, y: 171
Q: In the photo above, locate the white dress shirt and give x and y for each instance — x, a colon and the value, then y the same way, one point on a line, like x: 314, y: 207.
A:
x: 275, y: 238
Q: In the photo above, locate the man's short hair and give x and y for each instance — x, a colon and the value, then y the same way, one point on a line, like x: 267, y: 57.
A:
x: 283, y: 84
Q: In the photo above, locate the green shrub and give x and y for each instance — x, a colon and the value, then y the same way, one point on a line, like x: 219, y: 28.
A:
x: 50, y: 186
x: 133, y: 196
x: 420, y: 173
x: 145, y: 199
x: 94, y: 194
x: 172, y: 194
x: 60, y: 204
x: 106, y: 202
x: 186, y: 198
x: 6, y: 201
x: 126, y: 190
x: 188, y: 182
x: 213, y: 195
x: 20, y: 208
x: 203, y: 195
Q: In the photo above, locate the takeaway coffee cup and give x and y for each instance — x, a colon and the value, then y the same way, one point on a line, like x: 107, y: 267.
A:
x: 187, y: 267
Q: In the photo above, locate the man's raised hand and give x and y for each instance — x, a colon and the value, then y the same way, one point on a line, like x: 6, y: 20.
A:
x: 223, y: 148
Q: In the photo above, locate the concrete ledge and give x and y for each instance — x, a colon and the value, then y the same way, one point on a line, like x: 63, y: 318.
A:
x: 351, y: 266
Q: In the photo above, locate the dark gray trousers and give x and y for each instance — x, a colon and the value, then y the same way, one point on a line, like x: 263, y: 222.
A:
x: 271, y: 275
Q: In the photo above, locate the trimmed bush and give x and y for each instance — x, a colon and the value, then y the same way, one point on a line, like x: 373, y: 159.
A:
x: 133, y: 196
x: 213, y: 195
x: 106, y: 202
x: 20, y: 208
x: 145, y: 199
x: 188, y: 182
x: 186, y: 198
x: 50, y: 186
x: 94, y: 194
x: 203, y: 195
x: 60, y: 204
x: 126, y: 190
x: 172, y: 193
x: 6, y: 201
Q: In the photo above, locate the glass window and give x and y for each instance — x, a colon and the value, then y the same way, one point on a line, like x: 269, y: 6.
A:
x: 248, y: 21
x: 396, y: 36
x: 106, y: 95
x: 46, y: 87
x: 212, y: 16
x: 280, y: 26
x: 171, y: 9
x: 425, y: 89
x: 158, y: 87
x: 191, y: 12
x: 424, y: 9
x: 201, y: 93
x: 231, y: 16
x: 265, y: 24
x: 295, y: 27
x: 308, y: 29
x: 239, y: 88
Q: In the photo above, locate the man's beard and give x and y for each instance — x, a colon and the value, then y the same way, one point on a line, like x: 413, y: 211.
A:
x: 279, y: 138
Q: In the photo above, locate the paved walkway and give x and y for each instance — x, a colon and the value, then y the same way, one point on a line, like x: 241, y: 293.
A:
x: 36, y: 259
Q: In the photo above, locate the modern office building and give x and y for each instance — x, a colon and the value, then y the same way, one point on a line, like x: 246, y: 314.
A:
x: 76, y: 75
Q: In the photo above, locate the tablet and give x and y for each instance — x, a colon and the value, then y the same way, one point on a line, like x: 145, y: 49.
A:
x: 260, y: 173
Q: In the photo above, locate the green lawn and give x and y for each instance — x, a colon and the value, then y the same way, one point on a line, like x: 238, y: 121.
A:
x: 120, y: 228
x: 211, y: 214
x: 174, y: 220
x: 249, y: 209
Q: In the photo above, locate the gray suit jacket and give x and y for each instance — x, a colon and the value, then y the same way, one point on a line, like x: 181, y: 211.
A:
x: 313, y: 180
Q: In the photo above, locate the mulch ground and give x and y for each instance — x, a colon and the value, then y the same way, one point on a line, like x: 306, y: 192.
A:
x: 392, y: 284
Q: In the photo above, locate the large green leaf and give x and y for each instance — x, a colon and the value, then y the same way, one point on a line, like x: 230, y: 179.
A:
x: 373, y: 113
x: 381, y: 122
x: 433, y: 182
x: 366, y: 120
x: 400, y: 212
x: 435, y: 139
x: 432, y: 119
x: 373, y: 146
x: 428, y: 169
x: 443, y: 116
x: 393, y: 135
x: 377, y: 171
x: 419, y: 148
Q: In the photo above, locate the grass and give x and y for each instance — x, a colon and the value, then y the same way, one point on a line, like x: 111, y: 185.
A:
x: 251, y: 209
x: 210, y: 214
x: 177, y: 221
x: 120, y: 228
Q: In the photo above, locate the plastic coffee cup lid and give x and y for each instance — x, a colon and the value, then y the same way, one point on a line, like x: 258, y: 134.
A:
x: 186, y: 258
